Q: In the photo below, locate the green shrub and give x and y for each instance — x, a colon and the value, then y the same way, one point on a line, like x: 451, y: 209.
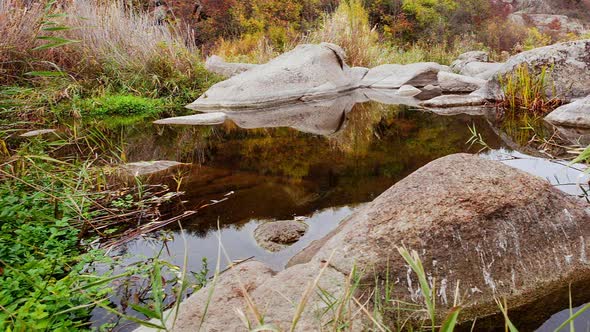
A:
x: 120, y: 105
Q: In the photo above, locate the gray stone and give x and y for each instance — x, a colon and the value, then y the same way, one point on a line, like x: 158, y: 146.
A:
x: 576, y: 114
x: 195, y: 119
x: 218, y: 66
x: 447, y: 101
x: 39, y: 132
x: 277, y: 235
x: 357, y: 74
x: 408, y: 91
x: 481, y: 70
x: 429, y: 92
x: 465, y: 58
x: 393, y: 76
x: 307, y: 72
x: 568, y: 65
x: 549, y: 23
x: 495, y: 231
x: 450, y: 82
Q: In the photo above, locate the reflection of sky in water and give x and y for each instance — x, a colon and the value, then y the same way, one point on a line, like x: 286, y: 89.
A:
x: 239, y: 244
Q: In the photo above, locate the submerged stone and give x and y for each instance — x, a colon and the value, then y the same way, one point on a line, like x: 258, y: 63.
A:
x: 141, y: 168
x: 195, y: 119
x: 447, y: 101
x: 277, y: 235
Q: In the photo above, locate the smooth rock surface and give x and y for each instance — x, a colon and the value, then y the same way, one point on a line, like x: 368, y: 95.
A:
x: 568, y: 63
x: 307, y: 72
x: 393, y: 76
x: 575, y: 114
x: 218, y: 66
x: 453, y: 101
x: 481, y: 70
x: 357, y: 74
x: 495, y: 231
x: 429, y: 92
x: 277, y: 235
x: 195, y: 119
x: 450, y: 82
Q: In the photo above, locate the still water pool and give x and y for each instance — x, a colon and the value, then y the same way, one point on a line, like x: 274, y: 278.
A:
x: 297, y: 163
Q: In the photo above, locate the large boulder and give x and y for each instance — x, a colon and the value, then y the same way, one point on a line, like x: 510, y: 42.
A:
x: 307, y: 72
x: 576, y: 114
x: 494, y: 231
x: 218, y: 66
x: 450, y: 82
x: 568, y: 65
x: 394, y: 76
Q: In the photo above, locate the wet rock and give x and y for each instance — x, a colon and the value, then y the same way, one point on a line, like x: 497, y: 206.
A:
x: 217, y: 65
x: 307, y: 72
x: 39, y: 132
x: 575, y: 114
x: 453, y: 101
x: 429, y: 92
x: 408, y: 91
x: 393, y: 76
x: 465, y: 58
x: 277, y: 235
x: 450, y: 82
x: 195, y: 119
x: 142, y: 168
x: 495, y: 231
x: 568, y: 65
x: 577, y: 136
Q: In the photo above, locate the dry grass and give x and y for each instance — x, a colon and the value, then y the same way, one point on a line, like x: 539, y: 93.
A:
x: 104, y: 43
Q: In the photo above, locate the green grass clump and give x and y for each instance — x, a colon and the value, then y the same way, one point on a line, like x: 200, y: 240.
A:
x: 121, y: 105
x: 526, y: 92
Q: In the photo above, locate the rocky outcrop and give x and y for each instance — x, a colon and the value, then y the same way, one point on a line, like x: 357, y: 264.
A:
x: 218, y: 66
x: 277, y: 235
x: 518, y: 237
x: 576, y: 114
x: 549, y: 23
x: 307, y: 72
x: 568, y: 66
x: 450, y: 82
x: 482, y: 226
x: 393, y: 76
x: 481, y: 70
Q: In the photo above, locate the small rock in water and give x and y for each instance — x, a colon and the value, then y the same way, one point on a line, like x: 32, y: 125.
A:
x: 277, y: 235
x: 39, y: 132
x: 201, y: 119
